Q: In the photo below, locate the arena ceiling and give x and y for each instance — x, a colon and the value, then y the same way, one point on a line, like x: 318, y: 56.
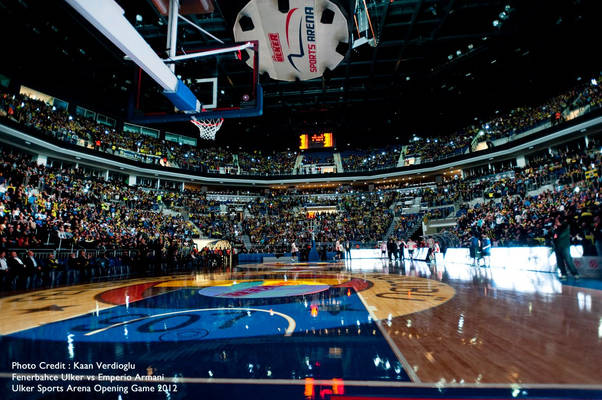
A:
x: 438, y: 64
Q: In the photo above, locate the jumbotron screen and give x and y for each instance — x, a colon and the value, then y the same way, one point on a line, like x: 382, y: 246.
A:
x: 316, y: 141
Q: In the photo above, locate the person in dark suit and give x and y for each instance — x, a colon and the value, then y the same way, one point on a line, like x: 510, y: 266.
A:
x: 597, y: 233
x: 17, y: 270
x: 474, y: 248
x: 347, y: 247
x: 391, y: 250
x: 562, y: 247
x: 34, y: 270
x: 83, y: 265
x: 103, y: 265
x: 72, y: 274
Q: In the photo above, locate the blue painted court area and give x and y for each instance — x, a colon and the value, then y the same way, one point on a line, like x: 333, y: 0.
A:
x: 186, y: 334
x: 585, y: 283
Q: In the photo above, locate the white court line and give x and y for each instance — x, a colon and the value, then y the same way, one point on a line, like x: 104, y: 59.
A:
x: 289, y: 330
x: 406, y: 365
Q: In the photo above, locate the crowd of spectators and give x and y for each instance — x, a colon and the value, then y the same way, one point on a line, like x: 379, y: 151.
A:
x: 31, y: 270
x: 433, y: 149
x: 509, y: 216
x: 82, y: 131
x: 267, y: 163
x: 439, y: 213
x: 50, y: 207
x: 46, y: 207
x: 524, y: 118
x: 318, y: 158
x: 518, y: 120
x: 370, y: 159
x: 40, y: 205
x: 274, y: 221
x: 590, y: 96
x: 65, y: 210
x: 278, y: 222
x: 405, y: 224
x: 85, y: 132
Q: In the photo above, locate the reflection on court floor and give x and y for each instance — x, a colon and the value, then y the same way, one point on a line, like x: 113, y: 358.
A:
x: 192, y: 332
x: 510, y: 278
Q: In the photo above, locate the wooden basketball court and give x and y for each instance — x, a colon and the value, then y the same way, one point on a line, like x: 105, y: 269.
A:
x: 397, y: 328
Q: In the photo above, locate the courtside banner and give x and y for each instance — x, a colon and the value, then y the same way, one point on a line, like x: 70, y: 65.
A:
x: 298, y: 39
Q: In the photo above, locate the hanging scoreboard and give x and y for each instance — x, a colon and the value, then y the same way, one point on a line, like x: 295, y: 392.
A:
x: 316, y: 141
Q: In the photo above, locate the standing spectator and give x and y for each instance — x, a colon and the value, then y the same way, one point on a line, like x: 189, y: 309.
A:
x: 54, y: 270
x: 347, y: 247
x: 562, y: 247
x: 104, y: 265
x: 474, y: 248
x: 4, y: 273
x: 18, y: 270
x: 83, y: 265
x: 391, y: 248
x: 411, y: 247
x: 72, y: 270
x: 486, y: 250
x: 401, y: 245
x: 338, y: 250
x: 598, y: 234
x: 383, y: 249
x: 34, y: 270
x: 323, y: 253
x: 430, y: 242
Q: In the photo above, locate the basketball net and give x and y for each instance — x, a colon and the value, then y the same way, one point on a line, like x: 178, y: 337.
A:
x: 208, y: 127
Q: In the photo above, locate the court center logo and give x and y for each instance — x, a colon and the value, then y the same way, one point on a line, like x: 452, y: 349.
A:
x: 264, y: 289
x: 298, y: 39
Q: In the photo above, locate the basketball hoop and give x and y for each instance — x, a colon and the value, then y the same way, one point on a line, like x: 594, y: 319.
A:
x: 208, y: 127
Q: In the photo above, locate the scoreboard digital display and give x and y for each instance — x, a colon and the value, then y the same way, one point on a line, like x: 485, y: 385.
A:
x: 316, y: 141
